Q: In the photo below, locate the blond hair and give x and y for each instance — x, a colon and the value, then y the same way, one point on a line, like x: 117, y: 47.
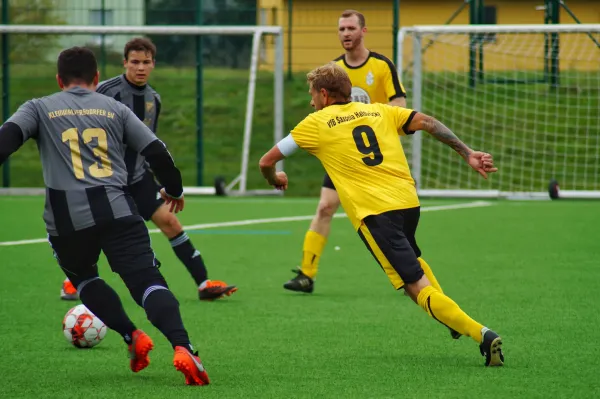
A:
x: 332, y: 78
x: 359, y: 15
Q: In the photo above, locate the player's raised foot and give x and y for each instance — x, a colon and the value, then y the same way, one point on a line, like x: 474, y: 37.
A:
x: 214, y: 289
x: 141, y: 344
x: 191, y: 366
x: 68, y: 292
x: 491, y: 348
x: 300, y: 283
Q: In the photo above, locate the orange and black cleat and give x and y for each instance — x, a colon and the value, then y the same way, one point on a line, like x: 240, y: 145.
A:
x: 191, y: 366
x: 141, y: 345
x: 68, y: 292
x: 215, y: 290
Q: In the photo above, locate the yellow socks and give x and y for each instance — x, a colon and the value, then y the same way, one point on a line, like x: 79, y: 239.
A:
x: 447, y: 312
x: 311, y: 252
x: 430, y: 275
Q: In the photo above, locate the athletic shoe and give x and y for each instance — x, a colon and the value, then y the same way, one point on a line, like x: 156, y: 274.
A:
x: 191, y: 366
x: 214, y: 289
x: 141, y: 344
x: 68, y: 292
x: 300, y: 283
x: 491, y: 348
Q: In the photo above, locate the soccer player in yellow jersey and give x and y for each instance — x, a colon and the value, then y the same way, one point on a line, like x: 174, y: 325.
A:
x: 359, y: 148
x: 374, y: 80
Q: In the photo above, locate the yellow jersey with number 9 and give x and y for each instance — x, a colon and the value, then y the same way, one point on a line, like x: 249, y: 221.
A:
x: 359, y: 147
x: 375, y: 81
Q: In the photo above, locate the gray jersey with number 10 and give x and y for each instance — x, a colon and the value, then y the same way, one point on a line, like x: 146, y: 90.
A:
x: 82, y: 136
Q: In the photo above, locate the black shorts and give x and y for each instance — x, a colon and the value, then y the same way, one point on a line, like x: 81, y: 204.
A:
x: 146, y: 194
x: 327, y: 182
x: 124, y: 241
x: 390, y: 237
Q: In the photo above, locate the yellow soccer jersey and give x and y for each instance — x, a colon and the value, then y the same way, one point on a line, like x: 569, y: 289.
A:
x: 359, y: 148
x: 375, y: 81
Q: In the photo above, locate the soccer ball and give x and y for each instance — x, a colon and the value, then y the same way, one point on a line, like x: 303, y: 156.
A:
x: 82, y: 328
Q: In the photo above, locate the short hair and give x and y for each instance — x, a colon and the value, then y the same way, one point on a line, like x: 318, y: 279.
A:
x: 77, y: 64
x: 332, y: 78
x: 139, y: 44
x: 359, y: 15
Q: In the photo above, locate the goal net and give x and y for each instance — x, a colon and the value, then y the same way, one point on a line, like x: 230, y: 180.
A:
x: 221, y: 89
x: 528, y: 94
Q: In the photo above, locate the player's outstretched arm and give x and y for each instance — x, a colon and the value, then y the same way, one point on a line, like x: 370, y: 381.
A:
x: 482, y: 162
x: 267, y: 168
x: 166, y: 172
x: 306, y: 134
x: 141, y: 139
x: 19, y: 128
x: 11, y: 139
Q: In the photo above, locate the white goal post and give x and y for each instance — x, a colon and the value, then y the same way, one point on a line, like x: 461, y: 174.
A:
x: 257, y: 33
x: 528, y: 94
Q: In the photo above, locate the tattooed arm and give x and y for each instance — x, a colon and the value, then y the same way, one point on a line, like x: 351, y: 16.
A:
x: 480, y: 161
x: 438, y: 130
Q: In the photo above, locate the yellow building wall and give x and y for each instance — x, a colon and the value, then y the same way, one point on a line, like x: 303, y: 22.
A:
x: 314, y: 32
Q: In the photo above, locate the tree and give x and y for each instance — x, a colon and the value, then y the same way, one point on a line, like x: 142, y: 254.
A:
x: 218, y: 50
x: 175, y: 50
x: 230, y: 51
x: 28, y: 47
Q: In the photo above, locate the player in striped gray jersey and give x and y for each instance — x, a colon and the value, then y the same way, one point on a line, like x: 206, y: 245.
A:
x: 132, y: 89
x: 81, y: 137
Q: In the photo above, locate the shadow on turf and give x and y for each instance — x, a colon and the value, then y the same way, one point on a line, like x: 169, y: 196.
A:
x: 439, y: 361
x: 73, y: 349
x: 192, y: 301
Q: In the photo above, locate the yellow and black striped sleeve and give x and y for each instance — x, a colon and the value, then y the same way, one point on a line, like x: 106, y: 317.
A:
x: 392, y: 85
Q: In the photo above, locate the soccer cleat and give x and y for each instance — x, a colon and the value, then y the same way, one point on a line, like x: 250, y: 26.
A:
x: 215, y: 290
x: 191, y: 366
x: 141, y: 344
x: 68, y: 292
x: 300, y: 283
x: 491, y: 348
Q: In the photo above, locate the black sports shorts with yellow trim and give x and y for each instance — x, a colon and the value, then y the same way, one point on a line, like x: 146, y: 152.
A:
x: 146, y: 195
x: 327, y: 182
x: 390, y: 237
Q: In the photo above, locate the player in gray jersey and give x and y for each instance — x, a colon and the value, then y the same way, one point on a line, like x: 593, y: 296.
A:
x: 81, y: 137
x: 132, y: 89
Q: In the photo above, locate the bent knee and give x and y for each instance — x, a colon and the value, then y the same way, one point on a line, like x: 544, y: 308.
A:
x: 327, y: 209
x: 167, y: 222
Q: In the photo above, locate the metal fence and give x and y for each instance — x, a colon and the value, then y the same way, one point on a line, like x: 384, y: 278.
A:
x: 217, y: 64
x: 188, y: 70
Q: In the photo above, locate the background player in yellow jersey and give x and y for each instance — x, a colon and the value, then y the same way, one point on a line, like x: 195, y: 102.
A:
x: 359, y: 147
x: 374, y: 80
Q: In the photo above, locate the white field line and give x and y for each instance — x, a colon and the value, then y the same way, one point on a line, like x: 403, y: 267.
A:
x: 248, y: 222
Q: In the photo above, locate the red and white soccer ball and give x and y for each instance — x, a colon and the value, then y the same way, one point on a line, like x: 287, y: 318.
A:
x: 82, y: 328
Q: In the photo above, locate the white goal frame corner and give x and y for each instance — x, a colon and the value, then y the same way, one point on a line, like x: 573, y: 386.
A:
x: 257, y: 33
x: 416, y: 33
